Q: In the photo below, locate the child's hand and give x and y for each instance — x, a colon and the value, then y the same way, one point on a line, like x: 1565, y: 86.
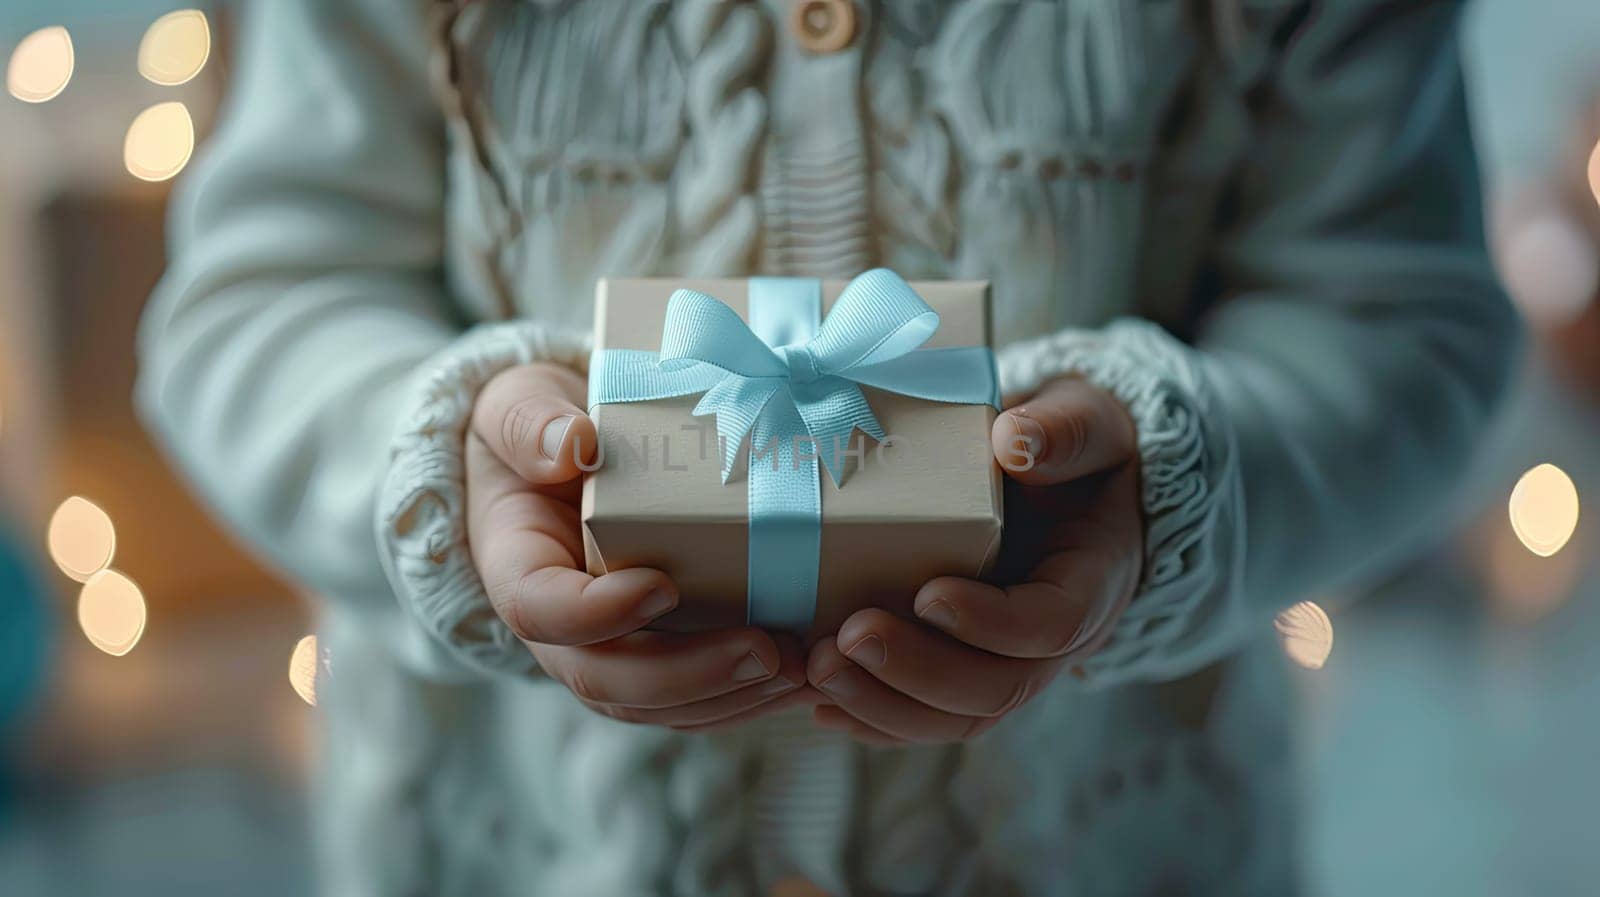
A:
x: 1074, y: 531
x: 523, y: 485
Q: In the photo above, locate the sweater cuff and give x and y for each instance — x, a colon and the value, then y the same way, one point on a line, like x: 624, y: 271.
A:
x: 1189, y: 483
x: 421, y: 519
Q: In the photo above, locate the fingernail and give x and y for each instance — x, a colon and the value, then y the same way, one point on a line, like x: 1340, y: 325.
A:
x: 869, y: 652
x: 777, y: 686
x: 841, y: 683
x: 1030, y: 430
x: 751, y: 667
x: 554, y: 434
x: 939, y: 613
x: 657, y: 603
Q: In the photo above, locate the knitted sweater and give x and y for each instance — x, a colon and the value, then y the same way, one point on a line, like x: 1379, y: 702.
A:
x: 1255, y: 222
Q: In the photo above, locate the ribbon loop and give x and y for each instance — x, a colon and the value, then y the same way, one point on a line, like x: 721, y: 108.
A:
x: 878, y: 317
x: 702, y: 329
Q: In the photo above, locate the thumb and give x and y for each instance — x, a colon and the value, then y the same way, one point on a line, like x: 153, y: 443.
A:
x: 529, y: 418
x: 1069, y: 429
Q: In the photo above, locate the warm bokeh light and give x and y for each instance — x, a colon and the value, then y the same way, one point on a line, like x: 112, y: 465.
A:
x: 175, y: 48
x: 1594, y: 172
x: 303, y: 664
x: 1306, y: 634
x: 1544, y: 509
x: 111, y: 612
x: 41, y: 65
x: 81, y: 539
x: 160, y: 142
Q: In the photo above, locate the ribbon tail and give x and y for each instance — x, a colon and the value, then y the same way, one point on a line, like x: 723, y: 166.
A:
x: 785, y: 541
x: 737, y: 403
x: 833, y: 409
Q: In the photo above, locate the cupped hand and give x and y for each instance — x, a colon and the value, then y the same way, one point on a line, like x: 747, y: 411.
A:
x: 1072, y: 558
x: 528, y: 443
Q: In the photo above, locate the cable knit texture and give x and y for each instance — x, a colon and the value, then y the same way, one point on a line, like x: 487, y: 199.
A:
x: 1188, y: 474
x: 421, y: 508
x: 409, y: 196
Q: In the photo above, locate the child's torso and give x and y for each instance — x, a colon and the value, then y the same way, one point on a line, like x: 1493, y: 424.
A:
x: 1003, y: 141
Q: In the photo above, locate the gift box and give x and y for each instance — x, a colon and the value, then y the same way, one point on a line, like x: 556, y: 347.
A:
x: 791, y: 450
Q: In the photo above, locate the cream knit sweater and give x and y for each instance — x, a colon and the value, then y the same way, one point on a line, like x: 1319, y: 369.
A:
x: 1277, y: 197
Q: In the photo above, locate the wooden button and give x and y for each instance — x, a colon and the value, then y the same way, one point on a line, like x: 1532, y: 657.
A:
x: 796, y: 887
x: 823, y: 26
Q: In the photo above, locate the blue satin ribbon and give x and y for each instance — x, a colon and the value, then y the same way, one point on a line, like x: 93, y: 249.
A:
x: 791, y: 381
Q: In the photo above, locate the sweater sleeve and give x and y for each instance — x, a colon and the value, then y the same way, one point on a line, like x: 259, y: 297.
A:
x: 303, y: 324
x: 1357, y: 346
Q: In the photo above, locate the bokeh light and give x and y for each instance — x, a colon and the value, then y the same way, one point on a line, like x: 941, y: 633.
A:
x: 41, y: 66
x: 81, y: 538
x: 111, y: 612
x: 1544, y: 509
x: 159, y: 142
x: 1594, y: 172
x: 1306, y: 634
x: 175, y: 48
x: 303, y: 665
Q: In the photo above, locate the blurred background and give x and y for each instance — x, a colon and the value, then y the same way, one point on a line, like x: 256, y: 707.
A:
x: 151, y: 741
x: 157, y: 685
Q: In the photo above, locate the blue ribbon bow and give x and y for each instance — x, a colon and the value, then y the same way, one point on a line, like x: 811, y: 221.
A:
x: 791, y: 382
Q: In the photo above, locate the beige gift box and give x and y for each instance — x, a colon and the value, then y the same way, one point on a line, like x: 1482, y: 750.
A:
x: 923, y: 504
